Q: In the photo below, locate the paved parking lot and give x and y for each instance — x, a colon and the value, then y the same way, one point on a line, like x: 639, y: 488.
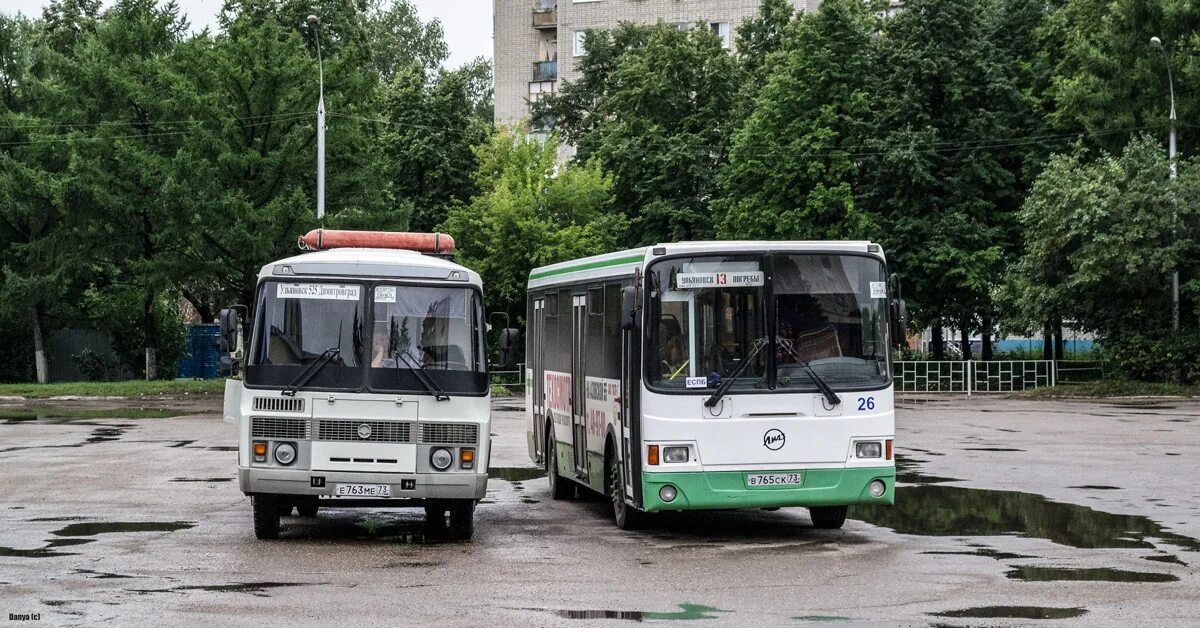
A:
x: 1012, y: 512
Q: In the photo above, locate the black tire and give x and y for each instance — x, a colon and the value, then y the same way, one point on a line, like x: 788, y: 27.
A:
x: 266, y: 516
x: 284, y: 506
x: 828, y: 517
x: 462, y: 520
x: 435, y: 517
x: 559, y: 488
x: 307, y: 507
x: 624, y: 515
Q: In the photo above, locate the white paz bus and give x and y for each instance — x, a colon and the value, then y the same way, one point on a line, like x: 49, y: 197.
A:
x: 365, y: 381
x: 715, y: 375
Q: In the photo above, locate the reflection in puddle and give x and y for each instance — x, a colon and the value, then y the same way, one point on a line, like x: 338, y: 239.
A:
x: 92, y: 529
x: 686, y: 612
x: 516, y: 474
x: 907, y: 472
x: 821, y: 618
x: 59, y: 414
x: 1015, y: 612
x: 202, y: 480
x: 1166, y: 558
x: 253, y: 588
x: 992, y: 449
x: 1100, y: 574
x: 46, y: 551
x: 957, y: 511
x: 1097, y: 487
x: 984, y: 551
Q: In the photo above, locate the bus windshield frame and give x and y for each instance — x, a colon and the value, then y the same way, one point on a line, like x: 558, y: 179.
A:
x: 341, y: 313
x: 706, y: 312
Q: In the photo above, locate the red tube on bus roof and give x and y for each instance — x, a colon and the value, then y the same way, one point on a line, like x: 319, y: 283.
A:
x: 324, y: 239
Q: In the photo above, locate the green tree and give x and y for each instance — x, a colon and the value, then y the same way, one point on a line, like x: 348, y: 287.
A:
x: 530, y: 212
x: 399, y: 39
x: 939, y: 175
x: 791, y: 167
x: 655, y: 106
x: 1101, y: 238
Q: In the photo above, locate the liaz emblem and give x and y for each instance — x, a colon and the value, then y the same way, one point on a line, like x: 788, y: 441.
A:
x: 364, y: 431
x: 774, y: 439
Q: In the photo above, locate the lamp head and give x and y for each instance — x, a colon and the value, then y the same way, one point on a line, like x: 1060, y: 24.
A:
x: 1155, y: 42
x: 312, y: 22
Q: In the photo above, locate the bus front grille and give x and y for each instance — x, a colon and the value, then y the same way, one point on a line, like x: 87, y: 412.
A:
x: 377, y: 431
x: 450, y: 433
x: 278, y: 427
x: 279, y: 404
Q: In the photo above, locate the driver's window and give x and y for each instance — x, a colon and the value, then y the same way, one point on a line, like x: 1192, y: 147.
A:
x: 431, y: 327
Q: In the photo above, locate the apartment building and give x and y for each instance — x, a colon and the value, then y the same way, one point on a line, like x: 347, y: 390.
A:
x: 538, y: 43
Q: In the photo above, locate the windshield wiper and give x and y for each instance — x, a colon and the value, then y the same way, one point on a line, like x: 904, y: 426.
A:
x: 419, y: 369
x: 311, y: 371
x: 737, y: 372
x: 830, y: 396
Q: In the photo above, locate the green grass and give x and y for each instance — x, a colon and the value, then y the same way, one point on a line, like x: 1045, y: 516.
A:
x: 1112, y: 388
x: 134, y: 388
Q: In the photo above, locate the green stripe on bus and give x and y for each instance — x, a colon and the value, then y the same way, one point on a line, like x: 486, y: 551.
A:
x: 728, y: 489
x: 588, y: 266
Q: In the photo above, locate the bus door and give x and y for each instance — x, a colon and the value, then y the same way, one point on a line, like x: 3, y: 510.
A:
x: 579, y: 382
x: 631, y: 374
x: 537, y: 331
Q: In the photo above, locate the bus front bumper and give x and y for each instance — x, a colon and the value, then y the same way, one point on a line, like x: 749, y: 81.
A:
x: 729, y: 489
x: 324, y: 483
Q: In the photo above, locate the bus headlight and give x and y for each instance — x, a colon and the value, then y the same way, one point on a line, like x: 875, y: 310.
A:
x: 285, y: 453
x: 667, y: 493
x: 868, y: 450
x: 441, y: 459
x: 675, y: 454
x: 877, y: 488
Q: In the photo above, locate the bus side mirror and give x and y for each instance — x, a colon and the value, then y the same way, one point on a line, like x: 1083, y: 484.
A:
x: 228, y: 320
x: 899, y: 322
x: 510, y: 339
x: 628, y: 309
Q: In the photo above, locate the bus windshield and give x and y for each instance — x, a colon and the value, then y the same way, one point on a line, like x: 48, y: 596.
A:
x: 778, y: 312
x: 296, y: 323
x: 435, y: 329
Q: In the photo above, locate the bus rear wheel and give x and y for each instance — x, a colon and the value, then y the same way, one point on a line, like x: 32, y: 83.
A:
x: 266, y: 516
x: 828, y: 517
x: 559, y: 488
x: 625, y: 516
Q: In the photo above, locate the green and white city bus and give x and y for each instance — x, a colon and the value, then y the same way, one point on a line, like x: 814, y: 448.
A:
x: 714, y: 375
x: 365, y: 382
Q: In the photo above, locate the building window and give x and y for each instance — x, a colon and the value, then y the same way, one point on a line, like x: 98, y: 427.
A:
x: 578, y: 47
x: 721, y: 29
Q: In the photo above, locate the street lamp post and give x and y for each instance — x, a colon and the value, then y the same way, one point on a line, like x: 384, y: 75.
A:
x: 1155, y: 42
x: 313, y: 23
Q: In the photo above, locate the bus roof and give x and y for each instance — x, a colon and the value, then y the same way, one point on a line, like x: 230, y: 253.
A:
x: 622, y: 263
x: 368, y: 263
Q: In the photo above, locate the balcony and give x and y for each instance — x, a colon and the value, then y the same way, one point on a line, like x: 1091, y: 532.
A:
x: 545, y: 13
x: 545, y: 70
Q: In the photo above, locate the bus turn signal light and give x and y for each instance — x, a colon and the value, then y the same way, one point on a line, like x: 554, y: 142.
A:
x: 888, y: 449
x: 467, y: 458
x: 652, y: 454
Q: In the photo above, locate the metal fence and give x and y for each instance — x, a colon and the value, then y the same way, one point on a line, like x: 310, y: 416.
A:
x: 972, y: 376
x: 512, y: 380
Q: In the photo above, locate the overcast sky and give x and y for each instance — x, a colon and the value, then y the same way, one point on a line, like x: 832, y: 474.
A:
x: 468, y: 23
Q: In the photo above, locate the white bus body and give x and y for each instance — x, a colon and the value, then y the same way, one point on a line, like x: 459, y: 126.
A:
x: 629, y: 354
x: 399, y: 415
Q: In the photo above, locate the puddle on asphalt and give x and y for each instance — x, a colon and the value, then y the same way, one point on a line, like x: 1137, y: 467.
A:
x: 509, y: 408
x: 46, y: 551
x: 516, y: 474
x: 1015, y: 612
x: 59, y: 414
x: 907, y: 472
x: 983, y: 551
x: 258, y: 589
x: 1166, y: 558
x: 202, y: 480
x: 821, y: 618
x: 102, y: 434
x: 100, y: 575
x: 686, y: 612
x: 223, y: 448
x: 957, y: 511
x: 992, y: 449
x: 1097, y: 487
x: 107, y: 527
x: 1089, y: 574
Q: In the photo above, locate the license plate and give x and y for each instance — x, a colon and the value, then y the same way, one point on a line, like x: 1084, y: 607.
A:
x: 774, y: 479
x: 363, y: 490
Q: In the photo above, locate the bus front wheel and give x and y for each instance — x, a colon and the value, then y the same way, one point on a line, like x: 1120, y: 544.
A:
x: 266, y: 516
x: 625, y: 516
x: 828, y: 517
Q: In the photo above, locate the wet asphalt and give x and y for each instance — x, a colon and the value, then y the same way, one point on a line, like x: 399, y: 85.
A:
x: 1010, y: 512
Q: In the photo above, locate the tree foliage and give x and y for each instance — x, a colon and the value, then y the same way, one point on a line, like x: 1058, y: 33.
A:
x: 531, y: 212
